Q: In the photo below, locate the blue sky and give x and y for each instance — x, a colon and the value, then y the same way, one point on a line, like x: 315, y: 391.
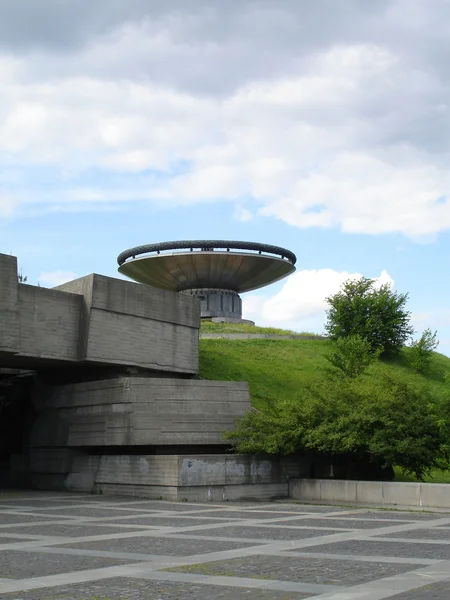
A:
x: 325, y: 131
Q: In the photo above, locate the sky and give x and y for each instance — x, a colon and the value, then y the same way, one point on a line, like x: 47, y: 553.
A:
x: 322, y: 127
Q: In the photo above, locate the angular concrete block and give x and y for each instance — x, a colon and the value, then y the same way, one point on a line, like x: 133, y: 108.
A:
x: 138, y: 411
x: 323, y: 490
x: 435, y: 495
x: 97, y: 319
x: 164, y: 476
x: 400, y: 494
x: 138, y: 470
x: 9, y: 305
x: 83, y: 475
x: 369, y: 492
x: 126, y: 323
x: 49, y: 324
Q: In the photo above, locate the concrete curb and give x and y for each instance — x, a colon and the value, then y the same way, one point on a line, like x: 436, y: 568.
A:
x: 371, y: 493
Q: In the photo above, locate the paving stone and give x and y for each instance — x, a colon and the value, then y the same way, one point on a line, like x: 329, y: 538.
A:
x: 385, y: 548
x: 420, y: 534
x: 338, y: 523
x: 167, y: 521
x: 91, y: 511
x: 164, y: 546
x: 139, y: 589
x: 432, y: 591
x: 125, y: 515
x: 28, y: 498
x: 41, y: 504
x: 263, y: 533
x: 306, y: 570
x: 248, y: 514
x: 15, y: 564
x: 160, y: 505
x: 101, y: 499
x: 8, y: 519
x: 70, y: 530
x: 308, y: 508
x: 399, y: 515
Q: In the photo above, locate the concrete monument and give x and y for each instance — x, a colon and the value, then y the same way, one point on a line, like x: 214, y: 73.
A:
x: 114, y: 402
x: 215, y: 271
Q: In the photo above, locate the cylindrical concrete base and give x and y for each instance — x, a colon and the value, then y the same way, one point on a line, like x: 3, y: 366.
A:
x: 218, y: 303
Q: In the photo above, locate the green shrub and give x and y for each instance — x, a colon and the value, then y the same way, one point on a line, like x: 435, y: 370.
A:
x: 421, y: 351
x: 393, y: 425
x: 376, y: 314
x: 352, y: 355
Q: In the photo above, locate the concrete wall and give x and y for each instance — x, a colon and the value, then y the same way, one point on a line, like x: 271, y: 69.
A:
x: 220, y: 477
x: 9, y: 305
x: 137, y: 411
x: 376, y: 493
x: 94, y: 320
x: 201, y: 478
x: 132, y: 324
x: 49, y: 323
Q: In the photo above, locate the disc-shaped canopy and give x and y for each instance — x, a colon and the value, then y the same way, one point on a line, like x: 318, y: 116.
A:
x: 207, y: 268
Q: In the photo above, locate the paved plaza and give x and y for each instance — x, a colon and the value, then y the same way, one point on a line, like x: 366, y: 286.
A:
x: 57, y: 546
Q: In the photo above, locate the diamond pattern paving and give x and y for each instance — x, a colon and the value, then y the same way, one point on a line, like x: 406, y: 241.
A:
x: 110, y: 548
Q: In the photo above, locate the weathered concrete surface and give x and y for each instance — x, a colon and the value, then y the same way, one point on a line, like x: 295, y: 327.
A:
x: 376, y: 493
x: 132, y: 324
x: 49, y: 324
x: 96, y: 320
x: 133, y: 411
x: 217, y: 303
x: 9, y: 305
x: 209, y: 477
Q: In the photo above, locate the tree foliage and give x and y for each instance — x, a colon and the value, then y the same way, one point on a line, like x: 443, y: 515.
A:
x: 352, y: 356
x: 421, y: 351
x: 393, y: 425
x: 376, y: 314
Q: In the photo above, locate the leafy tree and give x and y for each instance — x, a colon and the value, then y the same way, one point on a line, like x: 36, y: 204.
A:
x: 22, y: 278
x: 392, y: 425
x: 421, y: 351
x: 352, y: 355
x: 376, y: 314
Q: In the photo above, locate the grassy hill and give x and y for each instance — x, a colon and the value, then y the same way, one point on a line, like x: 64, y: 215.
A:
x: 210, y: 327
x: 279, y: 369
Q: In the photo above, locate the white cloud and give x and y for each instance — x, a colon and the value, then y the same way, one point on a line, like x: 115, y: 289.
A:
x: 242, y: 214
x: 55, y: 278
x: 301, y: 303
x: 320, y: 131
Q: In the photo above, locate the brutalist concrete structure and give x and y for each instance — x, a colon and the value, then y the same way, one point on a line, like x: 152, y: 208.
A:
x: 214, y: 271
x: 113, y: 402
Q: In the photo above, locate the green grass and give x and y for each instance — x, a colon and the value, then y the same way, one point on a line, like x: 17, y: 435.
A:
x: 436, y: 476
x: 279, y: 369
x: 210, y: 327
x: 274, y: 368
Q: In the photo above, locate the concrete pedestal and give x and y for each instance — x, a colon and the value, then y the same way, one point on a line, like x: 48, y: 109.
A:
x: 218, y: 303
x: 193, y: 477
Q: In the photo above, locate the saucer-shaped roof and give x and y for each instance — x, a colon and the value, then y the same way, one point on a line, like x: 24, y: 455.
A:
x: 219, y: 264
